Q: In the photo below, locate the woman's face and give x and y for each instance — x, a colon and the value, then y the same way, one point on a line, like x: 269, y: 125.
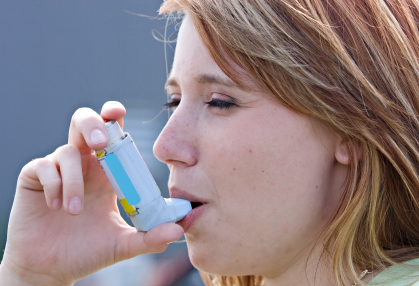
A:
x: 267, y: 176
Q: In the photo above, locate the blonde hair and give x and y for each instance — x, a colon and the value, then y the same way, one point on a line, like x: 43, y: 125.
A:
x: 354, y: 65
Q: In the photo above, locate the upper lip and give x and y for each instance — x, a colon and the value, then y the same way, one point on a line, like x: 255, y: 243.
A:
x: 181, y: 194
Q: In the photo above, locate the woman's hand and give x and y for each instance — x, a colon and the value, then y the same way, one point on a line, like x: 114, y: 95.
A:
x: 65, y: 222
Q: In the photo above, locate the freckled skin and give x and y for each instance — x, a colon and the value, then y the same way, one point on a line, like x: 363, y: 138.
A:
x: 271, y: 182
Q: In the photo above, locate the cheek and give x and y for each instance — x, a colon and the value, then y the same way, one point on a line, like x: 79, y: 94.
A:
x: 252, y: 157
x: 233, y: 157
x: 268, y: 176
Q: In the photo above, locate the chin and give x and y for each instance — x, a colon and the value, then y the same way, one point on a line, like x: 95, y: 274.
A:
x: 211, y: 260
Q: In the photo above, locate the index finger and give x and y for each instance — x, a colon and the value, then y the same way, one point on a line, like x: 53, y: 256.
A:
x: 87, y: 131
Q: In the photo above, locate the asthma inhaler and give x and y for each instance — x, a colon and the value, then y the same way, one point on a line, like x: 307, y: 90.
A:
x: 133, y: 184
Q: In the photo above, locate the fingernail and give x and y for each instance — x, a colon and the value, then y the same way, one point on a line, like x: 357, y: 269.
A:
x: 56, y: 204
x: 97, y: 136
x: 75, y: 205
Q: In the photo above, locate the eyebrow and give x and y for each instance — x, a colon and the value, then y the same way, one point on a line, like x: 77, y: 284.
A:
x: 205, y: 79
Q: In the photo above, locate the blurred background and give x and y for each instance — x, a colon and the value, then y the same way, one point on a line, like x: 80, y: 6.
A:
x: 57, y: 56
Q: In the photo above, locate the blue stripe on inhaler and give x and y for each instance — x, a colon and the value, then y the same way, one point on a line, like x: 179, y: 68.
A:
x: 122, y: 179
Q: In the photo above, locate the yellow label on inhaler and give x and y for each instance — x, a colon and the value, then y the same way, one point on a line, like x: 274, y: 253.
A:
x: 129, y: 209
x: 100, y: 154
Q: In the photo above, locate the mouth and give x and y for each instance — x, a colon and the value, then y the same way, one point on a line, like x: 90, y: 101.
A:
x: 198, y: 207
x: 196, y: 204
x: 181, y: 194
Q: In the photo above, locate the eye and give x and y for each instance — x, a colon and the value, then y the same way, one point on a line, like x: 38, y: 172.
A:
x: 217, y: 103
x: 171, y: 104
x: 221, y: 104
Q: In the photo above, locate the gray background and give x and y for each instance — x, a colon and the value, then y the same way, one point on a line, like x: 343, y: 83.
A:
x: 57, y: 56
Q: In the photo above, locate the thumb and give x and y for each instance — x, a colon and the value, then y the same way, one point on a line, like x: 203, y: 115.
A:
x: 133, y: 243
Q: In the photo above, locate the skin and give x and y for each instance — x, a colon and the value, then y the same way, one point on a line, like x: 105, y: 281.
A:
x: 270, y: 178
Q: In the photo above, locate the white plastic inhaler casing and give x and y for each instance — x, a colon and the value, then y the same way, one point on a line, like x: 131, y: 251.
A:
x: 133, y: 184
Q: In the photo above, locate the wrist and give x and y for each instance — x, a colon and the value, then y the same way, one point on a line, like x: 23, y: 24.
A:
x: 15, y: 276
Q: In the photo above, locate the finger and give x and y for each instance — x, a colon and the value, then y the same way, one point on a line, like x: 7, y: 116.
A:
x: 28, y: 179
x: 133, y: 243
x: 48, y: 175
x: 160, y: 236
x: 69, y: 160
x: 113, y: 110
x: 87, y: 131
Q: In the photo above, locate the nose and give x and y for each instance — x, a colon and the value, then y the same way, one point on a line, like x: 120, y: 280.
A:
x: 176, y: 142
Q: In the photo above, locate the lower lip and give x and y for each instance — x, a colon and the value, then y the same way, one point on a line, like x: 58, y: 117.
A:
x: 191, y: 217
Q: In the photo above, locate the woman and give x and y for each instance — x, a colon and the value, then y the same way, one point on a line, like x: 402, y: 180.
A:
x: 295, y: 124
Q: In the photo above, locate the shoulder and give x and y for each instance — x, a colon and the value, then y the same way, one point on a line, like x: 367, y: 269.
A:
x: 398, y: 275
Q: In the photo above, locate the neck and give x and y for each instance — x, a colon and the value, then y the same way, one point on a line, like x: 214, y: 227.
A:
x: 311, y: 269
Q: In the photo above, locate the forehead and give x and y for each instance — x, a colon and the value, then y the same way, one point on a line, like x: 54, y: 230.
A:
x: 193, y: 61
x: 191, y: 56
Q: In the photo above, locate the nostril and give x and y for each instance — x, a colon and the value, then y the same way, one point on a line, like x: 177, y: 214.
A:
x: 195, y: 204
x: 175, y: 144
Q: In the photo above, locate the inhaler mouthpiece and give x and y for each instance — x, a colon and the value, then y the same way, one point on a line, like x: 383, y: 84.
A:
x: 181, y: 207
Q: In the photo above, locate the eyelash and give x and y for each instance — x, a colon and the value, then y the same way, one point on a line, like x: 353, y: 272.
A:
x: 171, y: 104
x: 221, y: 104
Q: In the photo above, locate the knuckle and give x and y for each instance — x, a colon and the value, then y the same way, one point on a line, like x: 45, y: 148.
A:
x: 26, y: 170
x: 160, y: 249
x: 53, y: 184
x: 41, y: 163
x: 80, y: 112
x: 74, y: 183
x: 84, y: 114
x: 68, y: 150
x: 58, y: 150
x: 150, y: 243
x: 90, y: 118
